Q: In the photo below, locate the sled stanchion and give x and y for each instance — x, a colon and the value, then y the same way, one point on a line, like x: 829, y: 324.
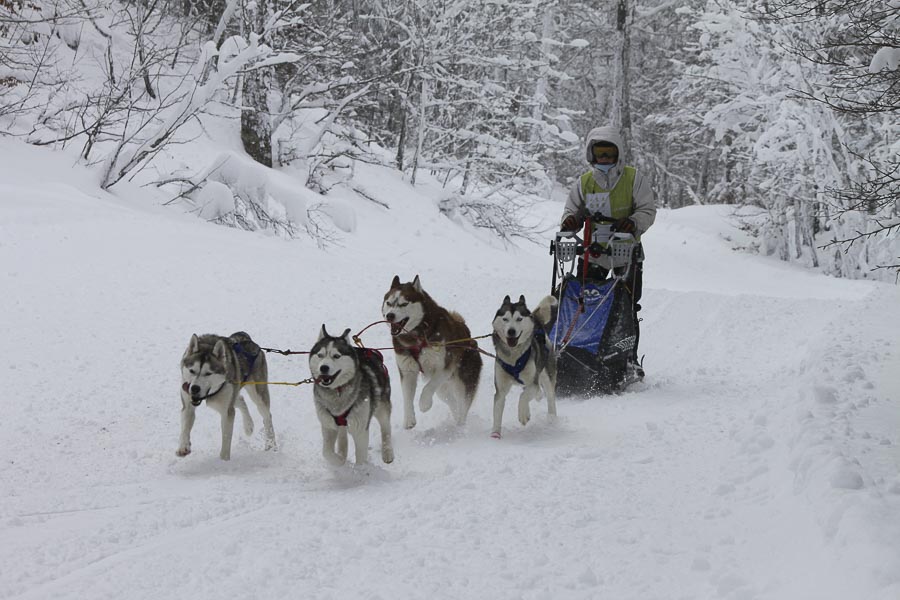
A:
x: 553, y: 247
x: 585, y: 258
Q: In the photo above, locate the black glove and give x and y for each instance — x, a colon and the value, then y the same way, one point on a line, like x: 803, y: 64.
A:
x: 570, y: 223
x: 625, y: 225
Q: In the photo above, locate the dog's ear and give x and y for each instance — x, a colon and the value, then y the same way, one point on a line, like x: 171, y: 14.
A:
x: 522, y: 300
x: 417, y: 285
x: 193, y: 345
x: 396, y: 282
x: 506, y: 299
x: 322, y: 333
x: 220, y: 350
x: 346, y: 335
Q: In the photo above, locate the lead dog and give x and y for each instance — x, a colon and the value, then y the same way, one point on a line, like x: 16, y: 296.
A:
x: 436, y: 342
x: 214, y: 369
x: 524, y: 357
x: 352, y: 386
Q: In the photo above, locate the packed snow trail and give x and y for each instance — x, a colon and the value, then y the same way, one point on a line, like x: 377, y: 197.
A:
x: 758, y: 460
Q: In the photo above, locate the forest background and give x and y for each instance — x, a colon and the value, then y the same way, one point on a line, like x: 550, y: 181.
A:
x: 787, y: 110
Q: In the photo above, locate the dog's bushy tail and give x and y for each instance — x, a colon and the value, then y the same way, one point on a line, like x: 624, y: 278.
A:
x: 546, y: 312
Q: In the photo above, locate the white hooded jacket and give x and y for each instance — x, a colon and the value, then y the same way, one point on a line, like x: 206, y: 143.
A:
x: 643, y: 204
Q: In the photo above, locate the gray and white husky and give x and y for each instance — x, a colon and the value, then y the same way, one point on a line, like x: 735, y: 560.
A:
x: 214, y: 368
x: 352, y: 386
x: 524, y: 357
x: 436, y: 342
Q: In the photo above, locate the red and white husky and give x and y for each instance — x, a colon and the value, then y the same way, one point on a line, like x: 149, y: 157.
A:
x: 435, y: 342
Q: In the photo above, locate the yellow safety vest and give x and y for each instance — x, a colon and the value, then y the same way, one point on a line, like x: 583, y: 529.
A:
x: 615, y: 203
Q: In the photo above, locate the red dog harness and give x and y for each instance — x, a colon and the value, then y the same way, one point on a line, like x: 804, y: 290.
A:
x: 341, y: 420
x: 370, y: 354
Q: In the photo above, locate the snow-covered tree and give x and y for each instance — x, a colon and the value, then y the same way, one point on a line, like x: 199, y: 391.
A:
x: 857, y: 42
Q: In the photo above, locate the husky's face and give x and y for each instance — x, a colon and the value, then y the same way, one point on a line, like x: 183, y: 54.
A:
x: 403, y: 307
x: 332, y: 360
x: 513, y: 323
x: 203, y: 370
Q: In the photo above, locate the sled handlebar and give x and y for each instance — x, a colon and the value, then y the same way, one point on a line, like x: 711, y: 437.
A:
x: 614, y: 236
x: 619, y: 247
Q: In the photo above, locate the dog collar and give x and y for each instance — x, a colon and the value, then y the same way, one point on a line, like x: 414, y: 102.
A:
x: 186, y: 387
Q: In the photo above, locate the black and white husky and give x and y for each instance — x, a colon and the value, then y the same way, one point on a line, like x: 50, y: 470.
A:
x: 524, y: 357
x: 215, y: 368
x: 352, y: 386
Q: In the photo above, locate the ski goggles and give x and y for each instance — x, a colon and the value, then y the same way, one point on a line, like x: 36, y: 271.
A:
x: 602, y: 153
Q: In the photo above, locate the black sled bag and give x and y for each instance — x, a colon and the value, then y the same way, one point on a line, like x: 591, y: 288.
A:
x: 593, y: 342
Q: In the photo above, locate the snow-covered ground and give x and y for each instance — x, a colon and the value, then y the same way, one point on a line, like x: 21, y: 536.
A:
x: 760, y: 458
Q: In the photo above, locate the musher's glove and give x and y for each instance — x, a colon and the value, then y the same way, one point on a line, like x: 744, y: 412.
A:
x: 570, y: 223
x: 625, y: 225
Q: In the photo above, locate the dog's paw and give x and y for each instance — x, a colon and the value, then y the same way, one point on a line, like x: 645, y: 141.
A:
x: 248, y: 427
x: 387, y: 454
x: 183, y: 451
x: 410, y: 422
x: 271, y: 445
x: 425, y: 402
x: 524, y: 413
x: 334, y: 459
x: 225, y: 455
x: 496, y: 435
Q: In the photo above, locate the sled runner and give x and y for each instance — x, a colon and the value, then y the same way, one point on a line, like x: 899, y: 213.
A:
x: 595, y: 332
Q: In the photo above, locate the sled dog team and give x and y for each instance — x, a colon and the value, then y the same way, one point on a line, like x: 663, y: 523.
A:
x: 351, y: 384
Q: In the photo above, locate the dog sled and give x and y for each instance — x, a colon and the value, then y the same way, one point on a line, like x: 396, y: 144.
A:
x: 595, y: 333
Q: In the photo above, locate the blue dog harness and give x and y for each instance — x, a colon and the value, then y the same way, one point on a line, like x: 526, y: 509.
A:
x: 516, y: 369
x: 251, y: 358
